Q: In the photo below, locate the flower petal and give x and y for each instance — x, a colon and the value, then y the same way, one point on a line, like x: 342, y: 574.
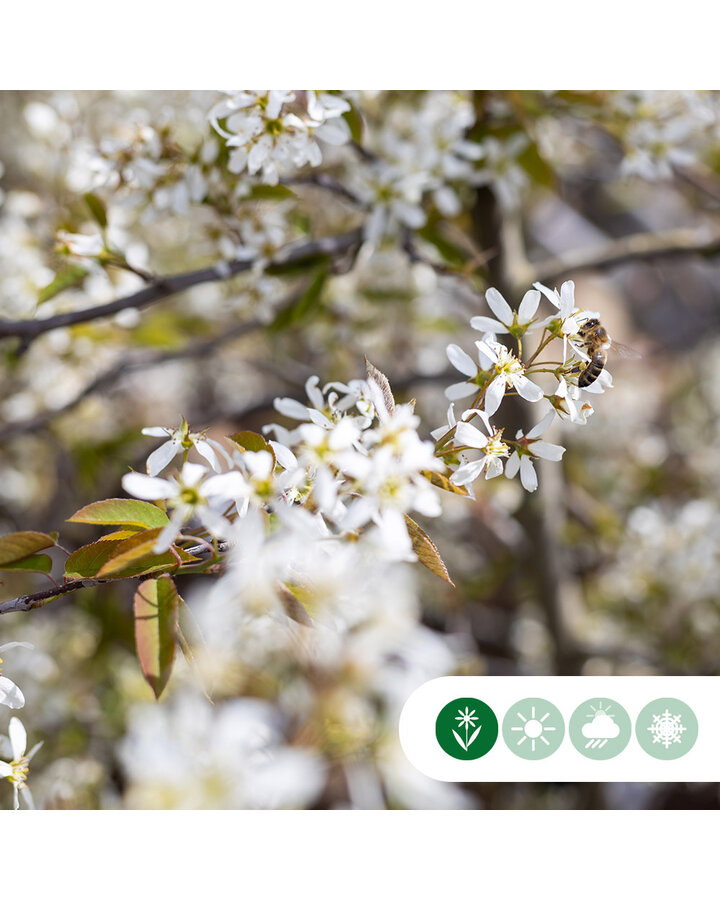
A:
x: 18, y: 737
x: 527, y: 389
x: 488, y: 326
x: 207, y: 452
x: 542, y: 426
x: 494, y: 395
x: 460, y: 390
x: 528, y: 476
x: 499, y: 305
x: 10, y: 694
x: 147, y: 488
x: 544, y: 450
x: 470, y: 435
x: 528, y: 307
x: 161, y: 457
x: 461, y: 360
x: 468, y: 472
x: 170, y: 531
x: 512, y: 466
x: 286, y: 406
x: 551, y: 295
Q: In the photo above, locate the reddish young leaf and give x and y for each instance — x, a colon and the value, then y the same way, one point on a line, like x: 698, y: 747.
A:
x: 156, y: 621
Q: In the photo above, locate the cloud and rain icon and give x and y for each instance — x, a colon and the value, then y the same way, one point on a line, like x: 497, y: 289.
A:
x: 601, y: 729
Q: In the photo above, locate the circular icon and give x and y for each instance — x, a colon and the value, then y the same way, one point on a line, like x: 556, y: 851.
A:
x: 533, y: 728
x: 666, y: 728
x: 466, y: 728
x: 600, y: 728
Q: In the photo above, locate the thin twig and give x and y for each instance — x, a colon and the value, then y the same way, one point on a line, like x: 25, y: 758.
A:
x: 704, y: 241
x: 33, y: 601
x: 164, y: 287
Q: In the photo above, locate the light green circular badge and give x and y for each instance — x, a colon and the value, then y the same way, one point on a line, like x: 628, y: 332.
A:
x: 533, y: 728
x: 600, y: 728
x: 466, y: 728
x: 666, y: 728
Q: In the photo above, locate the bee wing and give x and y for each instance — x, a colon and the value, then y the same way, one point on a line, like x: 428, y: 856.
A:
x: 624, y: 351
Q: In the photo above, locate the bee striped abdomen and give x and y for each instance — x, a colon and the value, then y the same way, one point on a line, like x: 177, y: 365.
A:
x: 592, y: 370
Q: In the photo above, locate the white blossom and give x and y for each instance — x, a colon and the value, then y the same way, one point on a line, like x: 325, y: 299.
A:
x: 16, y: 770
x: 531, y: 448
x: 188, y: 494
x: 509, y: 372
x: 180, y: 440
x: 507, y: 321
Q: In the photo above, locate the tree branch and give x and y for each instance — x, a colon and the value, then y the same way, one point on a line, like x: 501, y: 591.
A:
x: 33, y: 601
x: 162, y: 287
x: 704, y: 241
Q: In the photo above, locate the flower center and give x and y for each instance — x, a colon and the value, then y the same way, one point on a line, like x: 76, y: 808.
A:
x: 19, y: 771
x: 274, y: 127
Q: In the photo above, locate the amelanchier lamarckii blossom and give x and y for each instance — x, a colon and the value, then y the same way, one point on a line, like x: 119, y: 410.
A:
x: 507, y: 321
x: 189, y: 494
x: 529, y: 448
x: 508, y: 372
x: 16, y: 771
x: 180, y: 440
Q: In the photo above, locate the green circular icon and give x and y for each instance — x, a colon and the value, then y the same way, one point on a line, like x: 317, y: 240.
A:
x: 533, y: 728
x: 666, y: 728
x: 600, y: 728
x: 466, y: 728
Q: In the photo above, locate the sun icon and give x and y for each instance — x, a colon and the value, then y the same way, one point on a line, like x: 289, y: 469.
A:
x: 533, y: 728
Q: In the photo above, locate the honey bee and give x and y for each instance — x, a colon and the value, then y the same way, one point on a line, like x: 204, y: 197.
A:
x: 596, y: 342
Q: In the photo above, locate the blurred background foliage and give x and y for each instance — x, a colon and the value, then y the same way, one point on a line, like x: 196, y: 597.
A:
x: 611, y: 568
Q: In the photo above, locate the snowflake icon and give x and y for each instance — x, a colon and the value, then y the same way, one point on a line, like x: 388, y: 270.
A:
x: 667, y: 729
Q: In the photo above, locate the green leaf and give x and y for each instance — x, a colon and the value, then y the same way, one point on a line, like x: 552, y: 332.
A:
x: 355, y: 123
x: 252, y: 441
x: 443, y: 482
x: 39, y: 562
x: 305, y: 306
x: 122, y: 534
x: 118, y: 511
x: 20, y: 544
x: 97, y: 209
x: 156, y: 620
x: 70, y: 275
x: 90, y: 559
x: 271, y: 192
x: 133, y: 551
x: 426, y: 552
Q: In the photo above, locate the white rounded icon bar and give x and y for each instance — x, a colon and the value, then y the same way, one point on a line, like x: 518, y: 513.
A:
x: 701, y: 762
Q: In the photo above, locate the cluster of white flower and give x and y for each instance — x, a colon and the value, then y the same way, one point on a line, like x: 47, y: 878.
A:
x: 665, y: 129
x: 15, y: 744
x: 276, y: 132
x: 418, y: 152
x: 355, y: 459
x: 500, y: 371
x: 315, y: 526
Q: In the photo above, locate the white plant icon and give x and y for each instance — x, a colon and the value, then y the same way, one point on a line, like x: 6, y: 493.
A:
x: 468, y: 719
